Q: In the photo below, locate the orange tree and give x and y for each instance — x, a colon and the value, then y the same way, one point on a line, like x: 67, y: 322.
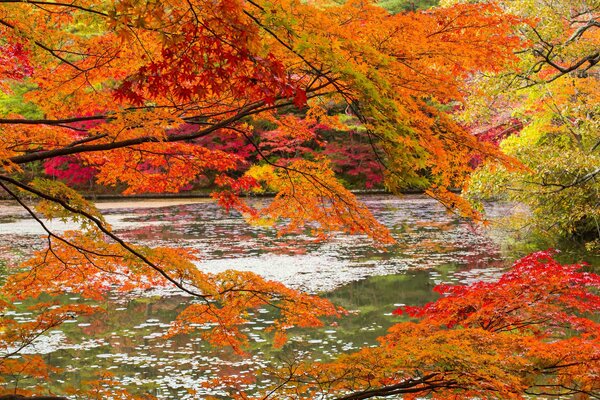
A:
x: 130, y: 89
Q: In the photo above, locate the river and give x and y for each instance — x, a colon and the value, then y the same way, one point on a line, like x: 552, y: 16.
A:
x: 433, y: 247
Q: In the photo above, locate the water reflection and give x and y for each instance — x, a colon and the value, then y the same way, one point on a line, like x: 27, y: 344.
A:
x: 427, y: 237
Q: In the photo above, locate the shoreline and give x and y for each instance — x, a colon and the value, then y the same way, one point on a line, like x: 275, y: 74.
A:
x: 207, y: 195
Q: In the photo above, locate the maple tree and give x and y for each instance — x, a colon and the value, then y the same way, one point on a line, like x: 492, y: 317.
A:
x: 225, y: 78
x: 530, y: 333
x: 150, y: 96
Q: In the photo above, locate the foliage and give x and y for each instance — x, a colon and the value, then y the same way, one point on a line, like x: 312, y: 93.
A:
x: 397, y: 6
x: 69, y: 170
x: 529, y: 333
x: 339, y: 209
x: 15, y: 335
x: 553, y: 92
x: 120, y: 66
x: 153, y: 96
x: 353, y: 158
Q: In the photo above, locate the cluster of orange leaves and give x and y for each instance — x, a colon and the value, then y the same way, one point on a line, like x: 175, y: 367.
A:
x: 531, y: 332
x: 91, y: 268
x: 149, y: 69
x: 16, y: 334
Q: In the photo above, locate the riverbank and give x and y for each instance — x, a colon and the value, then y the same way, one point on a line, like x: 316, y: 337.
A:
x: 207, y: 195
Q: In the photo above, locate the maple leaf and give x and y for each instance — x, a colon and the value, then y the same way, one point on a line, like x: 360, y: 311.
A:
x: 300, y: 98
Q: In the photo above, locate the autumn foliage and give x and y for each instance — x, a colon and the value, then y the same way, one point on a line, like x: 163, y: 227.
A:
x: 550, y: 97
x: 155, y: 96
x: 532, y: 332
x: 131, y: 90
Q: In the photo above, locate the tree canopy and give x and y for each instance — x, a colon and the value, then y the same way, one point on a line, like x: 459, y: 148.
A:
x: 552, y: 94
x: 153, y: 96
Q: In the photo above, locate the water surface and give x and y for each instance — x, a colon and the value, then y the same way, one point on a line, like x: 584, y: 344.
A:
x: 433, y: 247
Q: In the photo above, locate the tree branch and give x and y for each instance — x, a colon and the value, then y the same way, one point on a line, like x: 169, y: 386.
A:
x: 106, y: 231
